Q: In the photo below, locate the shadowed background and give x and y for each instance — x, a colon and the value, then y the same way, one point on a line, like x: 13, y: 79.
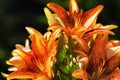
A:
x: 16, y: 14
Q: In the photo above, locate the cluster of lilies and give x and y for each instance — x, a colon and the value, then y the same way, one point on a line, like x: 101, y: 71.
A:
x: 75, y: 47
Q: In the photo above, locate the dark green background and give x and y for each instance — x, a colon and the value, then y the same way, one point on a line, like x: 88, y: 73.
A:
x: 16, y: 14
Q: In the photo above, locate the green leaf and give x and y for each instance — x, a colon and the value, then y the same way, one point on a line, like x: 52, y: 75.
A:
x: 61, y: 55
x: 64, y: 77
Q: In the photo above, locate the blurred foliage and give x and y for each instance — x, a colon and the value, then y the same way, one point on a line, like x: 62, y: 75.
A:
x: 16, y: 14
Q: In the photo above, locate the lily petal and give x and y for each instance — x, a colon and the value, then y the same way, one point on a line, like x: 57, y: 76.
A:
x: 21, y: 74
x: 115, y: 75
x: 61, y: 13
x: 112, y: 63
x: 112, y: 51
x: 38, y: 41
x: 80, y: 73
x: 17, y: 61
x: 73, y: 7
x: 97, y: 56
x: 91, y: 15
x: 50, y: 17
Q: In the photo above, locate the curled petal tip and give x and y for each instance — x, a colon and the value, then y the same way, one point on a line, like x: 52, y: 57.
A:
x: 100, y: 6
x: 4, y: 75
x: 49, y: 4
x: 30, y: 30
x: 98, y: 9
x: 73, y: 6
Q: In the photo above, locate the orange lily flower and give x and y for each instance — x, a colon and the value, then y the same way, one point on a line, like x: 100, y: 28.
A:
x: 78, y: 24
x: 98, y: 60
x: 36, y: 62
x: 103, y: 61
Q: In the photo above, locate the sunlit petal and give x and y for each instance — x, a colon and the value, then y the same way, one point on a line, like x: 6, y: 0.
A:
x: 112, y: 51
x: 38, y: 41
x: 61, y: 12
x: 17, y: 61
x: 21, y: 74
x: 73, y: 7
x: 80, y: 73
x: 50, y: 17
x: 91, y: 15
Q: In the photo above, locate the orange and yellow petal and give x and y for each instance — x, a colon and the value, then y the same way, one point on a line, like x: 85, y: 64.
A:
x: 80, y: 73
x: 90, y: 16
x: 61, y: 13
x: 38, y: 41
x: 98, y: 55
x: 73, y: 8
x: 24, y: 74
